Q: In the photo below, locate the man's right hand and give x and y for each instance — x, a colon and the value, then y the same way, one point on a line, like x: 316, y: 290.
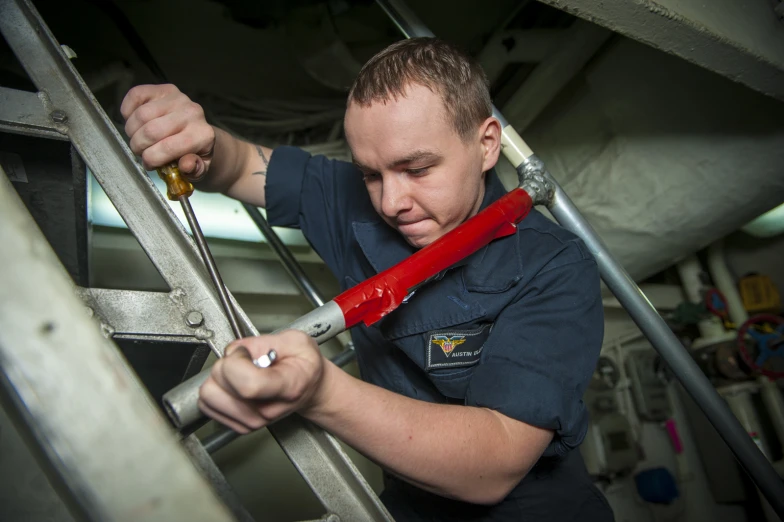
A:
x: 165, y: 126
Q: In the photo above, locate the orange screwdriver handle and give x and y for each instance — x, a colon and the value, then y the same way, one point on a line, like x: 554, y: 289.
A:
x: 176, y: 184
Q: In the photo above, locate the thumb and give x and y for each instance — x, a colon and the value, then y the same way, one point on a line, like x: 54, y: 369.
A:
x: 238, y: 350
x: 252, y: 347
x: 193, y: 167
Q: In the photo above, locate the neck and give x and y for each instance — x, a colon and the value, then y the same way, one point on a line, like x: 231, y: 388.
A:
x: 480, y: 197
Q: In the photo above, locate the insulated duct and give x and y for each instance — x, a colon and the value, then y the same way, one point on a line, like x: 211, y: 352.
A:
x: 662, y: 157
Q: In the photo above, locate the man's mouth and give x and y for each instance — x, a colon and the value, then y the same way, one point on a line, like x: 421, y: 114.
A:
x: 411, y: 227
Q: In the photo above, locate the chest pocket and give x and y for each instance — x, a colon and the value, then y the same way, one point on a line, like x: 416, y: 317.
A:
x: 442, y: 329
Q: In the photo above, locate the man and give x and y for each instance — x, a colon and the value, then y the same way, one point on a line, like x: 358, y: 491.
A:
x: 471, y: 392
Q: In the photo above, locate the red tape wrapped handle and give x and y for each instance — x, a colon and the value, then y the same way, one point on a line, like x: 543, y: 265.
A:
x: 376, y: 297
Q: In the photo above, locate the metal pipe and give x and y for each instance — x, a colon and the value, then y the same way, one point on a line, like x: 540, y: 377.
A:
x: 218, y: 440
x: 739, y: 398
x: 209, y: 261
x: 344, y: 357
x: 672, y: 351
x: 284, y: 254
x: 691, y: 272
x: 720, y: 273
x: 405, y: 19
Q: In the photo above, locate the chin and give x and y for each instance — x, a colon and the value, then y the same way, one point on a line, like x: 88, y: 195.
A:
x: 418, y: 241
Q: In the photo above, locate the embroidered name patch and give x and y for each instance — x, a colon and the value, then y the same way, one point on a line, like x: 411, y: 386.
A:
x: 455, y: 348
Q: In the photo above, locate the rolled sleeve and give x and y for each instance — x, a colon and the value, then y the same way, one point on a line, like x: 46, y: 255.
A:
x: 316, y: 195
x: 283, y: 188
x: 542, y: 352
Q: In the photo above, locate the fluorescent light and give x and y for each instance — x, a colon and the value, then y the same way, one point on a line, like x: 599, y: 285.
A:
x: 769, y: 224
x: 219, y: 216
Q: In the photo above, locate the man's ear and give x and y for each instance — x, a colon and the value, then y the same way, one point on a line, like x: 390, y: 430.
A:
x: 490, y: 139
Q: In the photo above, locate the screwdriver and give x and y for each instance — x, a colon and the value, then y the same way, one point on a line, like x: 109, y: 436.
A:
x: 179, y: 189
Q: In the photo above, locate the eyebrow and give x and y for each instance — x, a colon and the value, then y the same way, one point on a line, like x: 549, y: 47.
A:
x: 417, y: 155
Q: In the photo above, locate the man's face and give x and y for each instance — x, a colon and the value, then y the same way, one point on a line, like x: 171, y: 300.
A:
x: 423, y: 179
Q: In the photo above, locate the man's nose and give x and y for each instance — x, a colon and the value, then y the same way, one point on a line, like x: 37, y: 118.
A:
x: 395, y: 197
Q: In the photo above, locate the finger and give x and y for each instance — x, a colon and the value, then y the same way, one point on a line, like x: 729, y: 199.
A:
x: 296, y: 342
x: 239, y: 348
x: 252, y: 383
x: 256, y: 346
x: 219, y: 400
x: 286, y: 344
x: 157, y: 128
x: 142, y: 94
x: 220, y: 378
x: 274, y: 411
x: 174, y: 147
x: 193, y: 167
x: 229, y: 423
x: 151, y: 109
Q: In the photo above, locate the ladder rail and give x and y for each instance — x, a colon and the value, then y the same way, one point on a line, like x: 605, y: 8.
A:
x: 65, y: 379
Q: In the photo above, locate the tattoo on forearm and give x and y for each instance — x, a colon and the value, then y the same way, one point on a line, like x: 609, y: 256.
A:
x: 260, y: 150
x: 263, y: 156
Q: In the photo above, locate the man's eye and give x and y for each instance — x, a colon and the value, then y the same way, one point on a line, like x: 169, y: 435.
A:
x: 418, y: 172
x: 370, y: 176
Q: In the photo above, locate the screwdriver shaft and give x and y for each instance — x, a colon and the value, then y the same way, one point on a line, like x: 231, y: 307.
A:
x: 223, y: 294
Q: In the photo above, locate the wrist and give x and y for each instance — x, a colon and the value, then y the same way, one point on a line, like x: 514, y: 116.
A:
x: 326, y: 393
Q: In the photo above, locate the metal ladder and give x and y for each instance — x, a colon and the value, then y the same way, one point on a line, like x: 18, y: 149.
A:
x: 64, y: 106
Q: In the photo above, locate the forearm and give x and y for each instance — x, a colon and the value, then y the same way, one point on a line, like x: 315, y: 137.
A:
x: 238, y: 169
x: 459, y: 452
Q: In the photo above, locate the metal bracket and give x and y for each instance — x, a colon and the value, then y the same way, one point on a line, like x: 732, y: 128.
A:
x: 533, y: 178
x: 25, y: 113
x: 159, y: 316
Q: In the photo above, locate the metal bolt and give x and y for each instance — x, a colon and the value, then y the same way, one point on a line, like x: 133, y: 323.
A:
x: 194, y: 319
x: 107, y: 330
x: 59, y: 116
x: 265, y: 361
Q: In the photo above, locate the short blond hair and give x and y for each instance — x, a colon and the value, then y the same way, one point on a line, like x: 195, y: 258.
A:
x: 432, y: 63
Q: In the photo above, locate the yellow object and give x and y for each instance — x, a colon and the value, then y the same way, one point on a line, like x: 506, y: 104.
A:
x: 176, y: 184
x: 759, y: 294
